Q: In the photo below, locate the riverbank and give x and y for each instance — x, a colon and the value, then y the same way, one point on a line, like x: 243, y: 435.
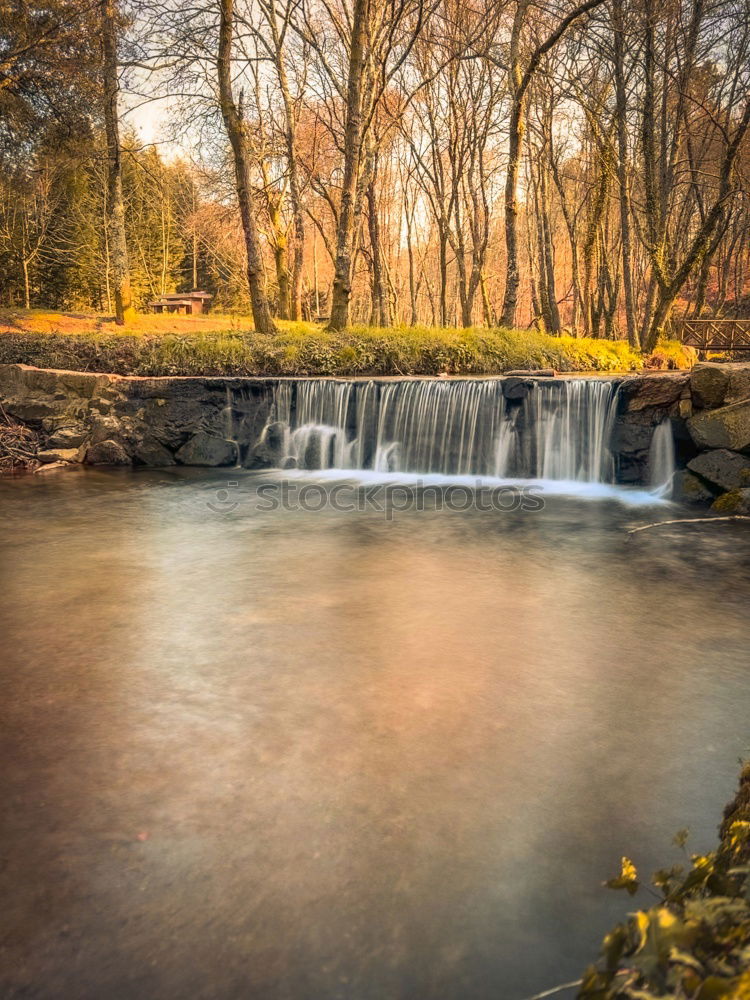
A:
x: 228, y: 346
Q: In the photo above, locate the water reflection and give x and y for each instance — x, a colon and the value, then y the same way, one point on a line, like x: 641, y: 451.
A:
x: 295, y: 755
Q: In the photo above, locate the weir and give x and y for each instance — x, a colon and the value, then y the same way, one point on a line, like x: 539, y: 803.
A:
x: 554, y: 429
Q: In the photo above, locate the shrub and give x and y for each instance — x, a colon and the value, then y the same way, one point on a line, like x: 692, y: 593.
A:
x: 694, y: 944
x: 671, y: 355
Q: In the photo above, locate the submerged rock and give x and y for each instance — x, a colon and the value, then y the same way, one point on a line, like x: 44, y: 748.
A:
x: 203, y: 449
x: 726, y: 469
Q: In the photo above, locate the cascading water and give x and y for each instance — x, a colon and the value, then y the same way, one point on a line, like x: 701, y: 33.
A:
x: 560, y: 429
x: 661, y: 460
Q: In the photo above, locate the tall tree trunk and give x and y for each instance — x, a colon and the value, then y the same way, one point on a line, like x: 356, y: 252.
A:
x: 345, y: 235
x: 548, y: 253
x: 536, y: 305
x: 542, y: 293
x: 443, y: 247
x: 235, y: 127
x: 380, y: 302
x: 26, y: 285
x: 280, y: 247
x: 118, y: 247
x: 621, y: 111
x: 512, y: 272
x: 412, y: 276
x: 295, y: 196
x: 572, y: 229
x: 487, y: 310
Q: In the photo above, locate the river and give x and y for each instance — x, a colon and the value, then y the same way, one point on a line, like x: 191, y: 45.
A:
x: 253, y: 750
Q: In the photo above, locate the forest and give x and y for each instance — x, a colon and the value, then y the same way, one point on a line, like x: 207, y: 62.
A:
x: 575, y: 168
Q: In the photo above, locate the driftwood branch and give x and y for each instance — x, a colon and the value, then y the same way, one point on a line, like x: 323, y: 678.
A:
x: 555, y: 989
x: 689, y: 520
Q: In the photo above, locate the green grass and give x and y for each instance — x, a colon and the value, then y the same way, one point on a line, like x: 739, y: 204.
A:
x: 216, y: 345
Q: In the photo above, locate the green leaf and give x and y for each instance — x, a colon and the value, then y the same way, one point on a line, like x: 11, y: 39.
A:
x: 614, y: 945
x: 664, y: 877
x: 678, y: 957
x: 714, y: 988
x: 627, y: 879
x: 660, y: 931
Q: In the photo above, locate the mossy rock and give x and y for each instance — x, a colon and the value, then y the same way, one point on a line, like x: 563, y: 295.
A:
x: 733, y: 502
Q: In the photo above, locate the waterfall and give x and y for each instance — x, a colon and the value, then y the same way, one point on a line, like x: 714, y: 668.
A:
x: 661, y: 460
x: 559, y: 429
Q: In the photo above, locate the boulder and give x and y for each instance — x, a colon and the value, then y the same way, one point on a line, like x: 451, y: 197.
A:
x: 49, y: 455
x: 726, y: 469
x: 105, y: 429
x: 269, y: 451
x: 739, y: 383
x: 728, y: 427
x: 516, y: 388
x: 708, y: 384
x: 203, y: 449
x: 67, y: 437
x: 642, y: 392
x: 734, y: 502
x: 715, y: 384
x: 689, y: 488
x: 632, y: 434
x: 632, y: 469
x: 685, y: 408
x: 152, y: 454
x: 107, y: 453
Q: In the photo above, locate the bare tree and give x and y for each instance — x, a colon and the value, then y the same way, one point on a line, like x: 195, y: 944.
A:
x: 235, y: 125
x: 118, y: 247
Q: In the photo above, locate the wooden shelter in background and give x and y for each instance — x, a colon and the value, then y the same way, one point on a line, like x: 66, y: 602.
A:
x: 188, y: 303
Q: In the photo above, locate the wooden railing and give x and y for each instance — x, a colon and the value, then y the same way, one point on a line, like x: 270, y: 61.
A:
x: 713, y: 334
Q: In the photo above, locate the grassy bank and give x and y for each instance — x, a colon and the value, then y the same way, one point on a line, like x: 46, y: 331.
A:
x: 226, y: 345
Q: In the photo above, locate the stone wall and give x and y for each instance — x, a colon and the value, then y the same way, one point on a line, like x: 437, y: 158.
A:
x: 709, y: 409
x: 117, y: 420
x: 719, y: 428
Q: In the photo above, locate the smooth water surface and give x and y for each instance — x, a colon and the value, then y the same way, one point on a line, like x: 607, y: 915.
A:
x: 287, y: 754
